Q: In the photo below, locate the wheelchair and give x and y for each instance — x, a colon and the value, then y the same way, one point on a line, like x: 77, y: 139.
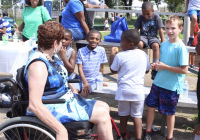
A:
x: 22, y: 127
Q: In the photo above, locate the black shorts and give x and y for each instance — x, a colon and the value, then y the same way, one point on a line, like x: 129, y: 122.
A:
x: 148, y: 40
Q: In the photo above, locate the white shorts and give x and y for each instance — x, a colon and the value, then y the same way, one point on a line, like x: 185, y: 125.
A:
x: 132, y: 108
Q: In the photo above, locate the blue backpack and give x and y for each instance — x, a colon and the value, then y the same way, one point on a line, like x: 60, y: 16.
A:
x: 118, y: 27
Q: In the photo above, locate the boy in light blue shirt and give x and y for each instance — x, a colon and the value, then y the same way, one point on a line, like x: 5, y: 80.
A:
x: 168, y: 83
x: 90, y: 60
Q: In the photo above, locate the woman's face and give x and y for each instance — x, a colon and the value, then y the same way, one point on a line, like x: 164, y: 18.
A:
x: 34, y: 3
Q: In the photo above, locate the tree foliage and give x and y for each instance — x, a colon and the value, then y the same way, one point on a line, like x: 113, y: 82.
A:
x: 175, y: 5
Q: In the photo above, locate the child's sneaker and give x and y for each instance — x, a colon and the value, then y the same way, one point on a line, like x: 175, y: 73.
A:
x: 170, y: 139
x: 127, y: 136
x: 153, y: 74
x: 190, y: 42
x: 148, y: 135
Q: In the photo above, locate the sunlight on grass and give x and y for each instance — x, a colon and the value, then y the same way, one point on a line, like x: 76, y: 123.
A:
x: 191, y: 75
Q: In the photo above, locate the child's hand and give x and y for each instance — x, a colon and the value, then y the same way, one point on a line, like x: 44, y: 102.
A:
x: 197, y: 129
x: 160, y: 66
x: 153, y: 66
x: 62, y: 52
x: 85, y: 91
x: 114, y: 50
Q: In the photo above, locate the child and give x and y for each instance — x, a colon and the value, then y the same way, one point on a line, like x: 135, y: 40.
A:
x: 90, y: 61
x: 168, y: 83
x: 106, y: 28
x: 192, y: 55
x: 68, y: 55
x: 192, y: 7
x: 149, y: 24
x: 131, y: 66
x: 112, y: 19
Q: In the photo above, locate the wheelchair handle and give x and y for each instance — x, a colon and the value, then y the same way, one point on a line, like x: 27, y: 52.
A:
x: 11, y: 81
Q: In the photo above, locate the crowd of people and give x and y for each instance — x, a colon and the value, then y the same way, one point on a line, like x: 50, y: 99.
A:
x: 53, y: 62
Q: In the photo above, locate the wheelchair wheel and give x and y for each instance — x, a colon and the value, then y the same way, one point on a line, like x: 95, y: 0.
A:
x: 26, y: 128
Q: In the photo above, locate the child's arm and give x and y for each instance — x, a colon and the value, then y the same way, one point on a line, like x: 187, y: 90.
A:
x: 112, y: 56
x: 69, y: 65
x: 86, y: 87
x: 161, y: 66
x: 101, y: 69
x: 161, y: 34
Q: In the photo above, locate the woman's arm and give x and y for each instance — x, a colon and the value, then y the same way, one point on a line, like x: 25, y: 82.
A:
x: 37, y: 76
x: 81, y: 18
x: 21, y: 27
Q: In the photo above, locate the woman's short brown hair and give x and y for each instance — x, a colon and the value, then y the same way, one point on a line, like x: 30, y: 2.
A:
x: 173, y: 18
x: 48, y: 33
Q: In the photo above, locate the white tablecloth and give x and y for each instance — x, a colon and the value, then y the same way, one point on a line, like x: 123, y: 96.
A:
x: 13, y: 56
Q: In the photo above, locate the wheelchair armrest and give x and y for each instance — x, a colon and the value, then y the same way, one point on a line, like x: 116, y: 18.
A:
x: 11, y: 81
x: 73, y: 80
x: 53, y: 101
x: 44, y: 101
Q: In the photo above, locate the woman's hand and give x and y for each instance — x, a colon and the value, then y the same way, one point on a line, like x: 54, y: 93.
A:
x: 62, y: 135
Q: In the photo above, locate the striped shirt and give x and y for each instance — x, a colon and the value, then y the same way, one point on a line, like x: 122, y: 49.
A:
x: 91, y: 61
x: 5, y: 23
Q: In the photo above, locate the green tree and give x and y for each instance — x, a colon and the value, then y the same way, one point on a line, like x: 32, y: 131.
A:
x: 173, y: 5
x: 56, y: 5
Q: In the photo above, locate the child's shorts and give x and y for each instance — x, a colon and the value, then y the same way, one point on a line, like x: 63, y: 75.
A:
x: 132, y: 108
x: 148, y: 40
x: 166, y: 100
x: 193, y: 12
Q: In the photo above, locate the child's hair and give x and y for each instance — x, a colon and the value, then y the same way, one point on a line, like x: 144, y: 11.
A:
x: 132, y: 36
x: 173, y: 18
x: 147, y: 5
x: 94, y: 31
x: 69, y: 32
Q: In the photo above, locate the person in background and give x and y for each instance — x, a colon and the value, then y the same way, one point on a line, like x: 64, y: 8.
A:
x: 106, y: 28
x: 74, y: 17
x: 192, y: 55
x: 130, y: 82
x: 46, y: 78
x: 168, y: 83
x: 150, y: 24
x: 33, y: 15
x: 90, y: 60
x: 5, y: 28
x: 11, y: 21
x: 112, y: 19
x: 117, y: 17
x: 93, y: 4
x: 192, y: 8
x: 120, y: 16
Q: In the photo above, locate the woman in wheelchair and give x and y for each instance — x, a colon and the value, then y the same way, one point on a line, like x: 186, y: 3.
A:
x: 46, y: 78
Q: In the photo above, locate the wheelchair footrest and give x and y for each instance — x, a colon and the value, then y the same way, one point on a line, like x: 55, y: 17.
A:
x: 81, y: 129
